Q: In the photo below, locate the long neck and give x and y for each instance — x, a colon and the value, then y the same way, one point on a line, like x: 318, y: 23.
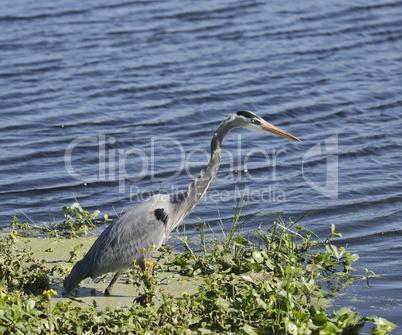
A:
x: 199, y: 187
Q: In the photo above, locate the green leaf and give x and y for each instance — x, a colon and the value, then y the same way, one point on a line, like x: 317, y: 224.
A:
x: 75, y: 205
x: 95, y: 213
x: 320, y: 319
x: 329, y: 329
x: 255, y: 266
x: 381, y: 326
x: 181, y: 262
x: 261, y: 303
x: 240, y: 240
x: 353, y: 258
x: 350, y: 321
x: 247, y: 329
x: 257, y: 255
x: 330, y: 263
x: 30, y: 305
x: 334, y: 250
x: 222, y: 303
x: 78, y: 246
x: 291, y: 328
x: 333, y: 232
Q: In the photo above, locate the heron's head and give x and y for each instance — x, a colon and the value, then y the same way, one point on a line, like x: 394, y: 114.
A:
x: 247, y: 119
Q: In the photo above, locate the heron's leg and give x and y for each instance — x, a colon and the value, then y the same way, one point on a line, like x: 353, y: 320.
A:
x: 108, y: 291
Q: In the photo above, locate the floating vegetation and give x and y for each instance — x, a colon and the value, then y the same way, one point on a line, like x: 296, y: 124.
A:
x: 77, y: 221
x: 278, y: 279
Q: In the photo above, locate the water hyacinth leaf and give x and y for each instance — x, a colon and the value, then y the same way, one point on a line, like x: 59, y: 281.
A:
x: 291, y: 328
x: 257, y: 256
x: 269, y: 264
x: 30, y: 305
x: 349, y: 320
x: 222, y: 303
x: 320, y: 319
x: 381, y: 326
x: 329, y: 329
x: 344, y: 311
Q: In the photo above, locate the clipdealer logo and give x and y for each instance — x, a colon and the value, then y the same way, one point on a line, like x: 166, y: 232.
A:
x: 112, y: 165
x: 329, y: 186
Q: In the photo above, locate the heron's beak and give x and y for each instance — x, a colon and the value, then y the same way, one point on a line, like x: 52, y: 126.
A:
x: 277, y: 131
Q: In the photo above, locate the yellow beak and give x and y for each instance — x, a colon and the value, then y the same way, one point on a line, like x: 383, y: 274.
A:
x: 277, y: 131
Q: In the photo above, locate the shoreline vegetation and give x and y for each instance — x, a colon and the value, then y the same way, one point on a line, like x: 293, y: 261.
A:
x: 278, y: 279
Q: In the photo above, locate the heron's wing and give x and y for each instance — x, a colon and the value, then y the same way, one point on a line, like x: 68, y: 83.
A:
x: 126, y: 239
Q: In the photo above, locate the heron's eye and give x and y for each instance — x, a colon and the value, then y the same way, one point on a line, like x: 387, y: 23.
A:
x: 255, y: 121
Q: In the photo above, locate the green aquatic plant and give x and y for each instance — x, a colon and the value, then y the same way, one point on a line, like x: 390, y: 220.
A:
x: 266, y: 281
x: 19, y: 270
x: 77, y: 222
x: 278, y: 279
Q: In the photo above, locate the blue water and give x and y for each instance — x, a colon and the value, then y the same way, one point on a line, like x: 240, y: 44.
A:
x: 108, y: 102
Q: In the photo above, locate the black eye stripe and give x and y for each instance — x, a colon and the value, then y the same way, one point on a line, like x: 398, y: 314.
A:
x: 247, y: 114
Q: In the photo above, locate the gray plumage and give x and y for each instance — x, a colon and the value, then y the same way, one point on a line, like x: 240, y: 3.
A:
x: 150, y: 222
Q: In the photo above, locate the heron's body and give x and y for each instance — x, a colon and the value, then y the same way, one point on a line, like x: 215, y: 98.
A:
x: 115, y: 249
x: 149, y: 223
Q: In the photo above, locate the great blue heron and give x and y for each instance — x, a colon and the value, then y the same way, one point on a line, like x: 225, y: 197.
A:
x: 148, y: 224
